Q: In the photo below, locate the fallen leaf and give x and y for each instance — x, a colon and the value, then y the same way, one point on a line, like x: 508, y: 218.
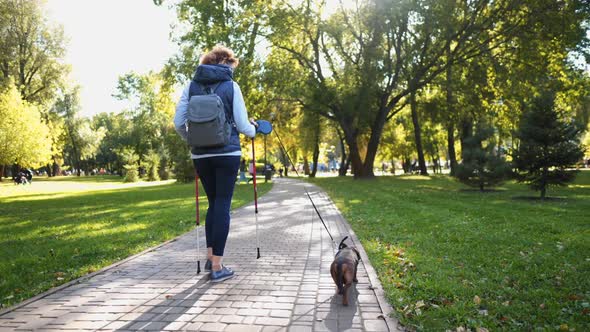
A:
x: 507, y: 303
x: 481, y: 329
x: 168, y: 296
x: 542, y: 305
x: 476, y: 300
x: 419, y: 304
x: 564, y: 327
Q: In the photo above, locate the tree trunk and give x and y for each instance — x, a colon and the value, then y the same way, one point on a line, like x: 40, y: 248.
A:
x: 433, y: 165
x: 305, y: 166
x: 343, y: 158
x: 544, y: 183
x: 56, y: 169
x: 392, y: 167
x: 1, y: 172
x: 344, y: 167
x: 466, y: 133
x: 316, y: 156
x: 373, y: 146
x: 451, y: 148
x: 451, y: 125
x: 353, y: 153
x: 418, y: 135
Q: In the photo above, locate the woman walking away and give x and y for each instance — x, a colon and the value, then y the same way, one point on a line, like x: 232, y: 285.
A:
x: 217, y: 166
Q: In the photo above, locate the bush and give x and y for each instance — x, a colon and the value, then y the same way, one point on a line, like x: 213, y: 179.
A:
x: 548, y: 146
x: 131, y: 173
x: 152, y: 161
x: 184, y: 170
x: 482, y: 166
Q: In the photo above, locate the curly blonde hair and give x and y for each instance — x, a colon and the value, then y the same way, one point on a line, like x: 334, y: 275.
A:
x: 220, y: 55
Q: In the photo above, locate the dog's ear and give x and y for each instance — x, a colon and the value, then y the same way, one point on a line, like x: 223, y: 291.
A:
x: 342, y: 245
x: 358, y: 255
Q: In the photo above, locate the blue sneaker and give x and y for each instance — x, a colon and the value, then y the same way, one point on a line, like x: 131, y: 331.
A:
x: 221, y: 275
x: 208, y: 265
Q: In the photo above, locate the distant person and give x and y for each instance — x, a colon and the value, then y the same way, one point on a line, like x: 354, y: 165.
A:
x: 217, y: 167
x: 28, y: 175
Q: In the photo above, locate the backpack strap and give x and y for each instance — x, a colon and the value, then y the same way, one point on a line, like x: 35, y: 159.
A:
x: 210, y: 89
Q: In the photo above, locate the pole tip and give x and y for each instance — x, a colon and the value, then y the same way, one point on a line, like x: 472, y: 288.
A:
x: 198, y: 267
x: 258, y: 253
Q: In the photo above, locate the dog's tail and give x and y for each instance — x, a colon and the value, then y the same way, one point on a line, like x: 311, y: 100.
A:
x: 340, y: 278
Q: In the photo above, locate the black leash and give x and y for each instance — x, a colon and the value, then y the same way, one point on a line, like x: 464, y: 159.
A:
x: 305, y: 188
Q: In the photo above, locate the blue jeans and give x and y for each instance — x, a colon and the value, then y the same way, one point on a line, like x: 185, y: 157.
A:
x: 218, y: 176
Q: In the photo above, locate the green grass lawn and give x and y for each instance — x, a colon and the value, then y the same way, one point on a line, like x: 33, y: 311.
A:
x: 449, y: 258
x: 62, y: 228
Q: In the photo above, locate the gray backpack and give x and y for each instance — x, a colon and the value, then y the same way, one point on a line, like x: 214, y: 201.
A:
x: 206, y: 121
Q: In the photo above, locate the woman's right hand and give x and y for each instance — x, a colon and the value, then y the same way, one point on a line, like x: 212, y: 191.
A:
x: 254, y: 123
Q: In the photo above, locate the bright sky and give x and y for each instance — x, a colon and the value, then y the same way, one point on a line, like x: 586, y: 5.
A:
x: 109, y: 38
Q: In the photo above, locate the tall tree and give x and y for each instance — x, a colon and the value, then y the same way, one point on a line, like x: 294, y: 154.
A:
x: 30, y: 50
x: 548, y: 145
x: 24, y: 137
x: 365, y: 62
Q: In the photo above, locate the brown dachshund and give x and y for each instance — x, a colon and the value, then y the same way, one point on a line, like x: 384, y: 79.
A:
x: 343, y: 269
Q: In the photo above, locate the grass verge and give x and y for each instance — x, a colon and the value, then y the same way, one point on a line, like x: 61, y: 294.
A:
x: 60, y: 229
x: 450, y: 258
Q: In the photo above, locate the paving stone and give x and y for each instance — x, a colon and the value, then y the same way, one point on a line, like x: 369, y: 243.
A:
x: 213, y: 327
x: 272, y: 321
x: 231, y: 319
x: 243, y: 328
x: 253, y: 312
x: 280, y: 313
x: 175, y: 326
x: 298, y: 328
x: 193, y: 326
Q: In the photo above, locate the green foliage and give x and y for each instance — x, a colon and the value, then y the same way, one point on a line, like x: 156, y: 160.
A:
x: 130, y: 160
x: 24, y: 137
x: 152, y: 162
x: 482, y: 165
x: 64, y: 228
x: 31, y: 50
x: 451, y: 260
x: 548, y: 145
x: 131, y: 173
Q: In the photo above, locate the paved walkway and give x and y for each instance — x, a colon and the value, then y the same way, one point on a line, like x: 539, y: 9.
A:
x: 288, y: 289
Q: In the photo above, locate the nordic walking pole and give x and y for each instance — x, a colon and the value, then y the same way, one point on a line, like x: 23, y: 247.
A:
x: 255, y: 200
x: 197, y: 220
